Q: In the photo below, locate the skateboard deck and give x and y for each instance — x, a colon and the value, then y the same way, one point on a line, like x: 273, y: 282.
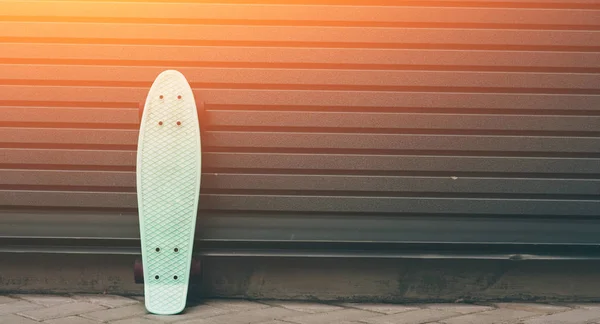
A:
x: 168, y: 187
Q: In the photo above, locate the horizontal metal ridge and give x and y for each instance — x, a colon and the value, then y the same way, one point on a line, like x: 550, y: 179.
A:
x: 223, y: 228
x: 514, y: 252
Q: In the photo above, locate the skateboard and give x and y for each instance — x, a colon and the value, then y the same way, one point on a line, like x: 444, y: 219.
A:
x: 168, y: 176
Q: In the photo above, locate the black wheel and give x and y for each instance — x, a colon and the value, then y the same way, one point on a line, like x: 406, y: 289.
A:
x: 196, y: 271
x: 196, y: 268
x: 138, y: 271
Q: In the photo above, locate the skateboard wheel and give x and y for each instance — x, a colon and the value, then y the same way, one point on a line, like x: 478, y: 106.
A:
x: 196, y: 271
x: 138, y: 272
x: 196, y: 268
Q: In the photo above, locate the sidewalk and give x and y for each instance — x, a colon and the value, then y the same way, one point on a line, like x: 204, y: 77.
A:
x: 90, y: 309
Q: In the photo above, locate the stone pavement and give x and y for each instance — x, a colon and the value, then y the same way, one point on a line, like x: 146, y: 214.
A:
x: 90, y: 309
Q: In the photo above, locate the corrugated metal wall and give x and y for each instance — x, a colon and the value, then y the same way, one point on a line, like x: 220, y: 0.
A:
x: 326, y: 121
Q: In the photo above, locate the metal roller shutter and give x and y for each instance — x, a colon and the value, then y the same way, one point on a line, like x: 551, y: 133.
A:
x: 390, y: 127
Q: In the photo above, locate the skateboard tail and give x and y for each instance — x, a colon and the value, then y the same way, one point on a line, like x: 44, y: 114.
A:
x: 178, y: 296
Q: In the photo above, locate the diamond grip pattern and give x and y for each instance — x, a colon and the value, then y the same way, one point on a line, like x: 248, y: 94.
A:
x: 169, y: 180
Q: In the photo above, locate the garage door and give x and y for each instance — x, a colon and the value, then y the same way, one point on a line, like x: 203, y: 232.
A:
x: 380, y: 126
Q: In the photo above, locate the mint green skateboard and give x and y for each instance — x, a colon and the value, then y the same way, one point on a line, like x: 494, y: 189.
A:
x: 168, y: 188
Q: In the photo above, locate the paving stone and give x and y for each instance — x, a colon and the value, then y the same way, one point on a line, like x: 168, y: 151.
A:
x: 583, y: 305
x: 305, y: 307
x: 199, y: 321
x: 46, y: 300
x: 346, y: 322
x: 235, y: 304
x: 490, y: 317
x: 254, y: 316
x: 136, y: 320
x: 531, y: 307
x: 70, y: 320
x: 17, y: 306
x: 332, y: 317
x: 110, y: 301
x: 459, y: 308
x: 381, y: 308
x: 15, y: 319
x: 412, y: 317
x: 576, y: 316
x: 6, y: 300
x: 96, y: 308
x: 64, y: 310
x: 198, y: 311
x: 112, y: 314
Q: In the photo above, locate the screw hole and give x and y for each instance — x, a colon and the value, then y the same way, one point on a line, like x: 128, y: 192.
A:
x: 175, y: 277
x: 157, y: 249
x: 156, y: 277
x: 176, y: 250
x: 178, y: 123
